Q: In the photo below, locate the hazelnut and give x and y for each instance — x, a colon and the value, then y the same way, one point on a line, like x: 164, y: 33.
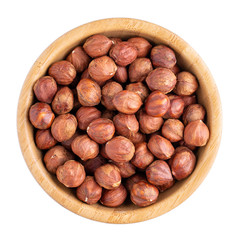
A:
x: 160, y: 147
x: 143, y: 194
x: 142, y: 45
x: 97, y: 45
x: 196, y: 133
x: 161, y: 79
x: 186, y: 84
x: 188, y: 100
x: 173, y: 130
x: 120, y: 149
x: 166, y: 186
x: 67, y: 143
x: 71, y: 174
x: 108, y: 176
x: 79, y: 59
x: 157, y: 104
x: 89, y: 191
x: 84, y: 147
x: 142, y: 157
x: 193, y: 112
x: 44, y: 139
x: 114, y: 197
x: 85, y: 74
x: 176, y: 107
x: 163, y: 56
x: 103, y: 151
x: 63, y: 72
x: 115, y: 40
x: 134, y: 179
x: 101, y: 130
x: 89, y: 92
x: 126, y: 169
x: 138, y: 88
x: 92, y: 164
x: 85, y: 115
x: 127, y: 102
x: 108, y: 114
x: 137, y: 138
x: 55, y: 157
x: 121, y: 75
x: 63, y: 101
x: 45, y: 88
x: 63, y: 127
x: 123, y: 53
x: 41, y: 115
x: 139, y: 69
x: 175, y: 69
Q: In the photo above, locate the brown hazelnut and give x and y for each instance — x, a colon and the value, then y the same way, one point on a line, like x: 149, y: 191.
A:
x: 63, y: 72
x: 108, y: 114
x: 85, y: 115
x: 71, y: 174
x: 92, y: 164
x: 157, y: 104
x: 175, y: 69
x: 137, y: 138
x: 41, y: 115
x: 163, y: 56
x: 186, y: 84
x: 45, y: 88
x: 63, y: 127
x: 134, y: 179
x: 142, y: 45
x: 172, y: 129
x: 123, y: 53
x: 79, y: 59
x: 161, y: 79
x: 126, y: 169
x: 115, y: 40
x: 121, y: 75
x: 44, y: 139
x: 97, y: 45
x: 89, y: 191
x: 85, y: 74
x: 84, y: 147
x: 101, y: 130
x: 127, y: 102
x: 103, y: 151
x: 143, y: 194
x: 63, y: 101
x: 188, y: 100
x: 138, y: 88
x: 166, y: 186
x: 114, y: 197
x: 109, y: 90
x: 89, y: 92
x: 108, y: 176
x: 160, y: 147
x: 193, y: 112
x: 182, y: 143
x: 142, y: 157
x: 196, y: 133
x: 55, y: 157
x: 120, y: 149
x: 67, y: 143
x: 139, y: 69
x: 176, y: 107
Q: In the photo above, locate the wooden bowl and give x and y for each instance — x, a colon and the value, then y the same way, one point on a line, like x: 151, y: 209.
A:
x: 207, y: 94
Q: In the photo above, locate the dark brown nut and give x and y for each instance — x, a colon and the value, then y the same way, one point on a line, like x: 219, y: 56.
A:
x: 126, y: 169
x: 137, y: 138
x: 149, y: 124
x: 142, y: 157
x: 127, y: 102
x: 134, y: 179
x: 44, y: 139
x: 108, y: 114
x: 85, y: 74
x: 63, y: 72
x: 157, y: 104
x: 126, y: 124
x: 165, y: 186
x: 63, y: 127
x: 163, y: 56
x: 182, y: 163
x: 55, y: 157
x: 188, y: 100
x: 176, y: 107
x: 85, y: 115
x: 138, y: 88
x: 79, y: 59
x: 121, y: 75
x: 89, y: 92
x: 193, y: 112
x: 89, y: 191
x: 97, y: 45
x: 71, y: 174
x: 92, y: 164
x: 196, y: 133
x: 41, y: 115
x: 143, y: 194
x: 114, y: 197
x: 67, y: 143
x: 142, y: 45
x: 63, y: 101
x: 45, y: 88
x: 84, y: 147
x: 160, y: 147
x: 175, y: 69
x: 103, y: 152
x: 101, y: 130
x: 120, y: 149
x: 139, y: 69
x: 161, y: 79
x: 108, y: 176
x: 115, y: 40
x: 186, y: 84
x: 173, y: 130
x: 123, y: 53
x: 182, y: 143
x: 109, y: 90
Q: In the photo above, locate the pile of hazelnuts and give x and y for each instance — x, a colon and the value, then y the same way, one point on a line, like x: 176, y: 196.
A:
x: 118, y: 117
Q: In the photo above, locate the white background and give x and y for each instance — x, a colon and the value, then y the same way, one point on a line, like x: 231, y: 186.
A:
x: 212, y: 29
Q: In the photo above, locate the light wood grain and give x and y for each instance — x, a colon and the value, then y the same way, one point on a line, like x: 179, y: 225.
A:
x: 207, y: 94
